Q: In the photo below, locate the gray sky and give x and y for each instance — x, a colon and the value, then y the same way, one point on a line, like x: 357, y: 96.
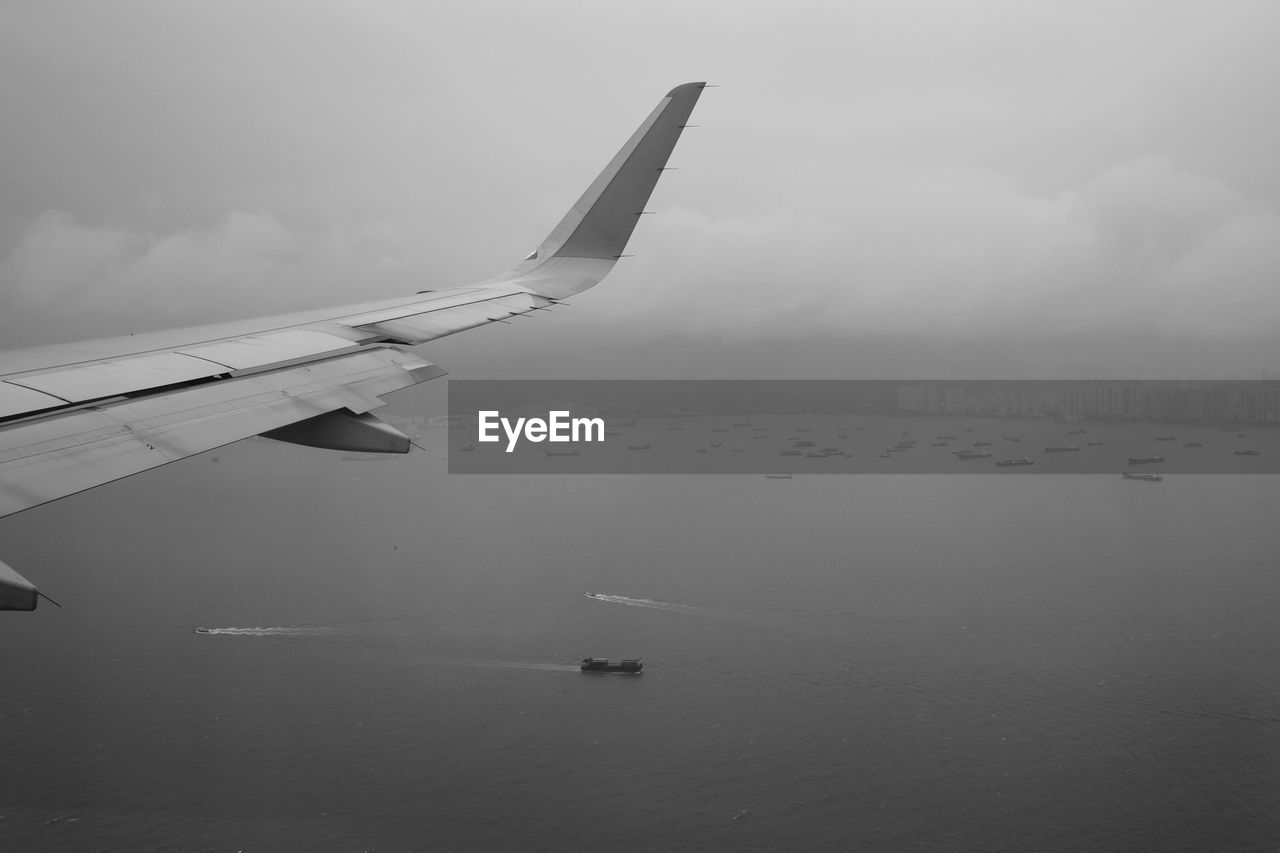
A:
x: 879, y: 188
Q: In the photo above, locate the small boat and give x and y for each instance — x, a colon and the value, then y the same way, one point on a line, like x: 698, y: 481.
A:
x: 1006, y: 463
x: 1150, y: 478
x: 1066, y: 448
x: 204, y: 630
x: 1248, y: 453
x: 965, y: 455
x: 631, y: 666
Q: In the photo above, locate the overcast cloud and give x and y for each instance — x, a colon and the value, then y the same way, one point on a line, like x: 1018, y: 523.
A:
x: 877, y: 185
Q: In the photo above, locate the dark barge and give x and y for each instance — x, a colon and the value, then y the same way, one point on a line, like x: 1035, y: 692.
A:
x: 633, y: 667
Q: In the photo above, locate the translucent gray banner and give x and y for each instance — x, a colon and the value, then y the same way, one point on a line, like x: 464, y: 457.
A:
x: 1139, y: 429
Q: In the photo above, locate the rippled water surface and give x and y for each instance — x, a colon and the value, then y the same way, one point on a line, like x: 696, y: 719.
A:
x: 882, y: 662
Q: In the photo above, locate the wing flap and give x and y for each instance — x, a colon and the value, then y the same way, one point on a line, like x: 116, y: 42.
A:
x: 413, y: 323
x: 17, y: 400
x: 272, y: 348
x: 113, y: 378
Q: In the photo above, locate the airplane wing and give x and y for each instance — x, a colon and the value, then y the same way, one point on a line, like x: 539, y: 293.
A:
x: 76, y: 416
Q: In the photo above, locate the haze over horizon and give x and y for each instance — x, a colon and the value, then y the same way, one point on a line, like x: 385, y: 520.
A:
x: 876, y: 190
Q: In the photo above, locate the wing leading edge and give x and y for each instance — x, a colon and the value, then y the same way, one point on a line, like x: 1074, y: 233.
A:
x: 77, y: 416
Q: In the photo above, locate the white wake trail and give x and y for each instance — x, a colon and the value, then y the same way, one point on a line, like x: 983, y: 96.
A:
x: 666, y: 606
x: 274, y: 631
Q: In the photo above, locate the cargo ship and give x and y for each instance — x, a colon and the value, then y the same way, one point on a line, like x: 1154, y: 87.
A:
x: 1005, y: 463
x: 1069, y: 448
x: 1144, y: 460
x: 630, y: 666
x: 1150, y: 478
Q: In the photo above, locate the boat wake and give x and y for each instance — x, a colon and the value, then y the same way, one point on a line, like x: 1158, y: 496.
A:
x: 541, y: 667
x: 666, y: 606
x: 277, y: 631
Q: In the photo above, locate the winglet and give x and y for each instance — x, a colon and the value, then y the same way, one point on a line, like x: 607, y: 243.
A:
x: 597, y: 228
